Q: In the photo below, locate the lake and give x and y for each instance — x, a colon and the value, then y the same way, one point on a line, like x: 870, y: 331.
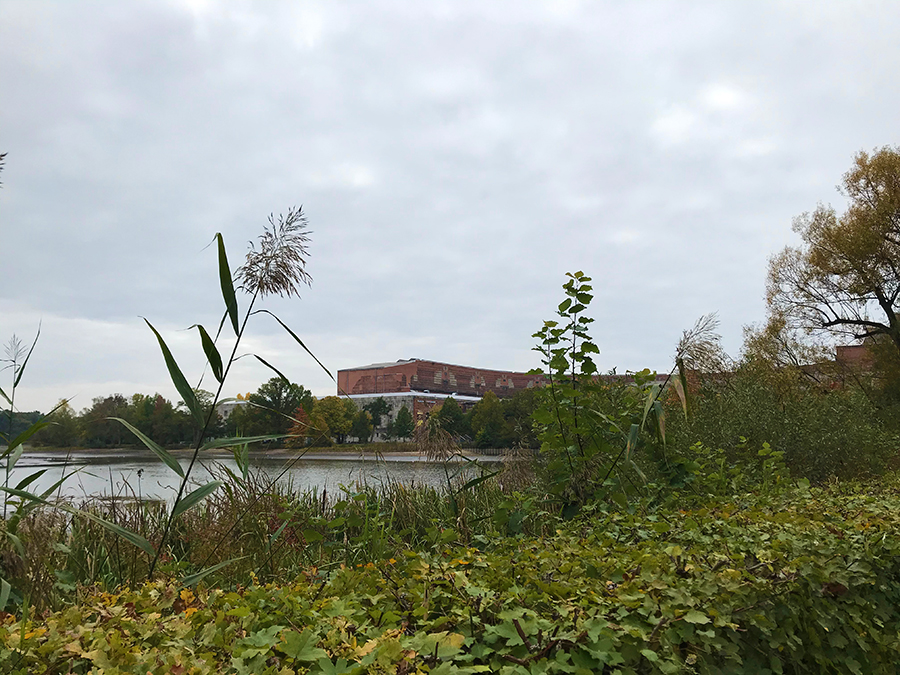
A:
x: 139, y: 473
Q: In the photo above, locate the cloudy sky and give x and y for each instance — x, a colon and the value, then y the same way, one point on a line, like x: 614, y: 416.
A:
x: 454, y: 159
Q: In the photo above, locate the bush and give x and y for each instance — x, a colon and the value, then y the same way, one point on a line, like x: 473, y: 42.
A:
x: 799, y: 580
x: 823, y: 432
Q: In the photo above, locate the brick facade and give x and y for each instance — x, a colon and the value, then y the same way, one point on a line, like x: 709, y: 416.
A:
x: 416, y: 375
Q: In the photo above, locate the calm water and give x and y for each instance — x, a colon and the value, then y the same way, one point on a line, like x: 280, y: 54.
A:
x: 140, y: 473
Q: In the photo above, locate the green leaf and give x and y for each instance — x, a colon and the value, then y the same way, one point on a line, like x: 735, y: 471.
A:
x: 3, y: 394
x: 477, y: 481
x: 192, y: 579
x: 212, y: 354
x: 299, y: 342
x: 195, y: 497
x: 311, y: 536
x: 694, y: 616
x: 50, y: 490
x: 16, y: 542
x: 227, y: 284
x: 21, y: 438
x: 178, y: 379
x: 158, y: 450
x: 650, y: 655
x: 269, y: 365
x: 238, y: 440
x: 5, y: 589
x: 28, y: 480
x: 301, y: 646
x: 25, y: 362
x: 14, y: 456
x: 339, y: 667
x: 632, y: 440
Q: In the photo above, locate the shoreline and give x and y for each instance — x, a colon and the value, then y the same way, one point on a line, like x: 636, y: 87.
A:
x: 351, y: 453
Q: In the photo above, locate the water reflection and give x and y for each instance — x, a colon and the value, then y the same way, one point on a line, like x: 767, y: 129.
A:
x: 139, y: 473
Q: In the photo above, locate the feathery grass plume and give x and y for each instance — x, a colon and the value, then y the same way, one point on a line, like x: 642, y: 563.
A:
x: 700, y: 348
x: 279, y: 265
x: 433, y: 441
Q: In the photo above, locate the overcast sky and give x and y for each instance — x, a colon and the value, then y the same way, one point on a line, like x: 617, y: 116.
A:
x: 454, y: 159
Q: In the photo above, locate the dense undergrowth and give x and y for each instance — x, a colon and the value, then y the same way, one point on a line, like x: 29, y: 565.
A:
x: 785, y: 579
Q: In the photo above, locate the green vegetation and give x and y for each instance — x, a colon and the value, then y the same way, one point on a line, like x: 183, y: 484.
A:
x: 737, y: 516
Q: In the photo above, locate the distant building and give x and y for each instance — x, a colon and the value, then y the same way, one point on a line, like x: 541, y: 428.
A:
x: 432, y: 377
x: 225, y: 409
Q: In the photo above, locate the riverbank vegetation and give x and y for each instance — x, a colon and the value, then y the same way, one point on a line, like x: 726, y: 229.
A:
x: 740, y: 516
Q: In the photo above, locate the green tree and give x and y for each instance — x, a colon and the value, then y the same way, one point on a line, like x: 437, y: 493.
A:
x: 845, y: 278
x: 64, y: 430
x: 452, y: 418
x: 99, y: 430
x: 362, y: 426
x: 517, y: 412
x: 487, y: 422
x: 271, y: 409
x: 336, y: 415
x: 403, y: 425
x: 378, y: 409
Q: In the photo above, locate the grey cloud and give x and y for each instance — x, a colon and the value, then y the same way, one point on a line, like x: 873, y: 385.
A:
x: 455, y: 160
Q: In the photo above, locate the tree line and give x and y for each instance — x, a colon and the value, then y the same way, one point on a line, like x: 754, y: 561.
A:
x: 280, y: 407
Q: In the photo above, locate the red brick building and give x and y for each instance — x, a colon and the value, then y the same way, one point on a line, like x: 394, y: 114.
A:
x: 416, y: 375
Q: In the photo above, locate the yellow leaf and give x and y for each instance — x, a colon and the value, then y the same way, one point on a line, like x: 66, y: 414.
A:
x: 367, y: 648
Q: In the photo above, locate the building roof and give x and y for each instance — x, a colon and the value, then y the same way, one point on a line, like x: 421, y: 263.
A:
x: 384, y: 364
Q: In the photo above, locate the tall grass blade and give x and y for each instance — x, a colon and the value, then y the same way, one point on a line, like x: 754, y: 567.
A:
x: 632, y: 440
x: 195, y: 497
x: 648, y: 404
x: 14, y: 457
x: 227, y: 284
x: 158, y: 450
x: 5, y: 589
x: 28, y: 480
x: 16, y: 542
x: 231, y: 442
x: 19, y: 440
x: 683, y: 390
x: 128, y: 535
x: 3, y: 394
x: 25, y: 362
x: 299, y: 342
x: 477, y: 481
x: 50, y: 490
x: 660, y: 420
x: 269, y: 365
x: 212, y: 354
x: 192, y: 579
x: 178, y: 379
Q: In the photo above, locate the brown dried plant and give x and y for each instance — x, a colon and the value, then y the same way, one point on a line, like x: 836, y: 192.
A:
x: 278, y: 266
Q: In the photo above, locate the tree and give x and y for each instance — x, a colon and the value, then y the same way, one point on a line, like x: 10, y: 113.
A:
x: 64, y: 430
x: 403, y: 425
x: 377, y: 409
x: 272, y: 408
x: 362, y: 426
x: 487, y: 421
x: 99, y: 430
x: 336, y: 414
x: 452, y: 418
x: 844, y: 280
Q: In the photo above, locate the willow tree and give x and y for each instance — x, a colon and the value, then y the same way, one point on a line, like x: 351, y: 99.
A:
x: 844, y: 280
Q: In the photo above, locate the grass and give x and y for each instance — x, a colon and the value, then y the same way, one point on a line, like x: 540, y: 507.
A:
x: 268, y: 532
